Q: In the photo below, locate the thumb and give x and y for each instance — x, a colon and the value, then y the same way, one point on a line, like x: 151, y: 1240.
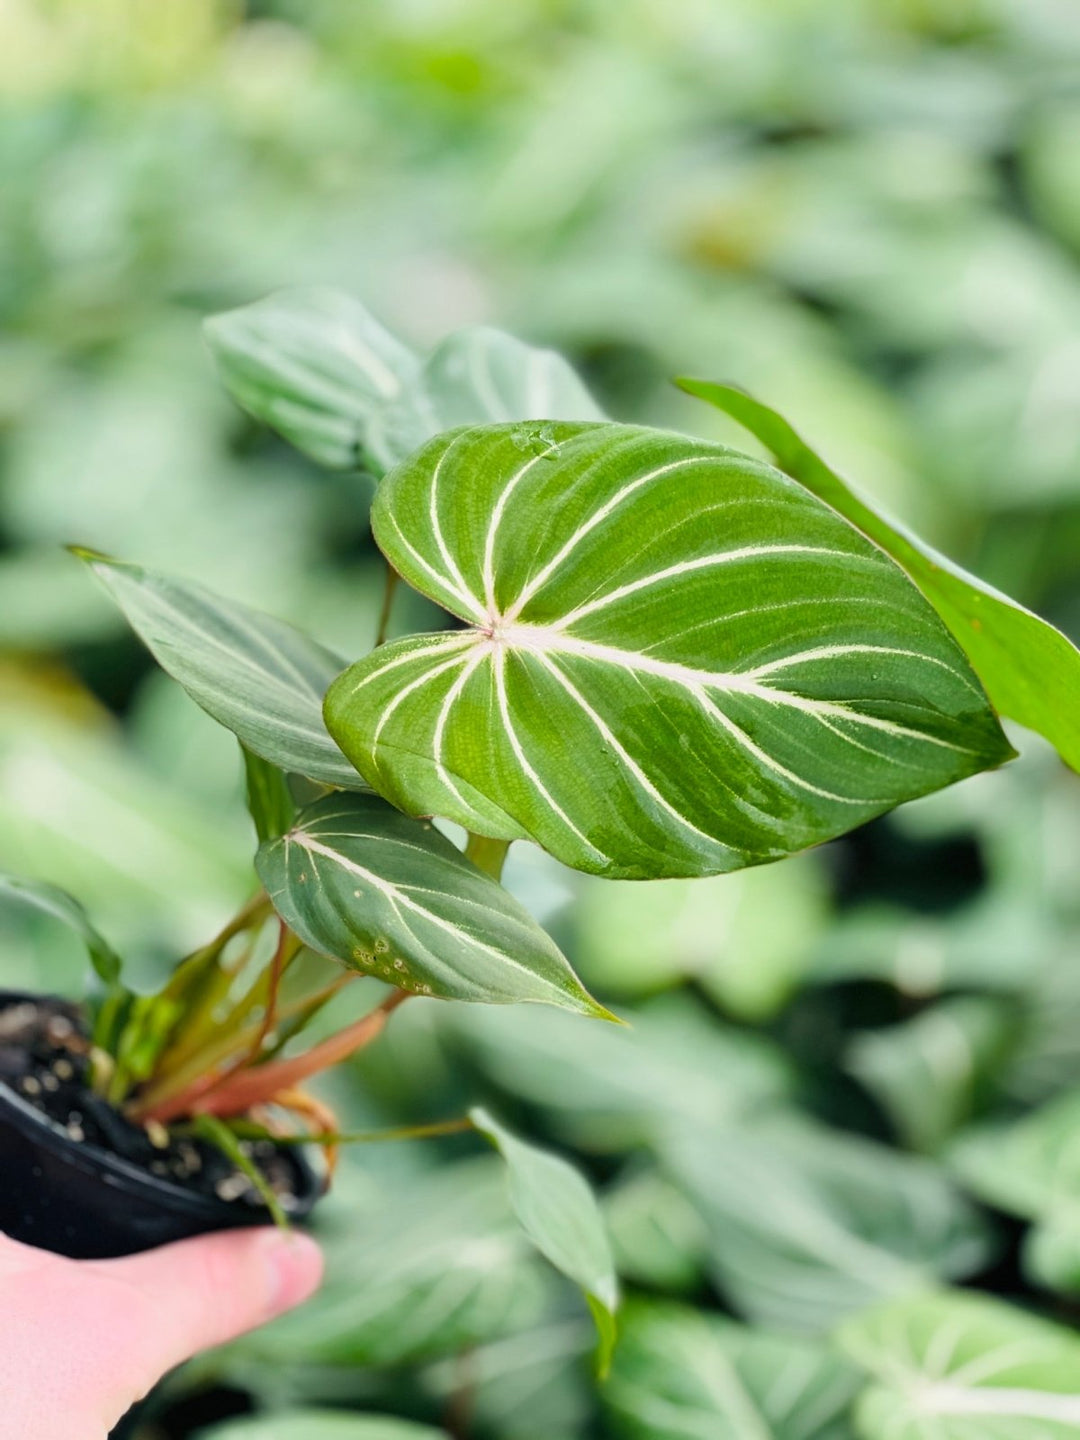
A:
x: 203, y: 1292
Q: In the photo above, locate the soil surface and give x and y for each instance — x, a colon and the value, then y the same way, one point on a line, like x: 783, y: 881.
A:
x: 44, y: 1059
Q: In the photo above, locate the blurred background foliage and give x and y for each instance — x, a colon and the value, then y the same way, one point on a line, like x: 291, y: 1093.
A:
x: 868, y: 212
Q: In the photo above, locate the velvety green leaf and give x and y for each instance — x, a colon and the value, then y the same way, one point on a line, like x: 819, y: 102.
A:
x: 392, y: 897
x: 315, y: 366
x: 954, y: 1366
x: 59, y: 905
x: 930, y: 1072
x: 560, y: 1215
x: 1031, y: 671
x: 269, y: 800
x: 257, y: 676
x: 809, y: 1225
x: 321, y: 1425
x: 726, y: 701
x: 683, y: 1375
x: 418, y: 1266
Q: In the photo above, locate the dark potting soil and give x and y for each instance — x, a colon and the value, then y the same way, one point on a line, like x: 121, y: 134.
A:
x: 44, y: 1058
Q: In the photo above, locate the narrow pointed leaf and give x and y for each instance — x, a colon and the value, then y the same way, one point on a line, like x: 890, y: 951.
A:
x: 956, y: 1366
x: 684, y: 1375
x: 316, y: 367
x: 560, y: 1215
x: 391, y: 897
x: 59, y: 905
x: 1030, y: 670
x: 676, y: 660
x: 257, y: 676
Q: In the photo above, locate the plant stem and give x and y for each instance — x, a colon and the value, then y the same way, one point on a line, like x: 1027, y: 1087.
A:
x: 392, y: 578
x: 487, y: 854
x: 236, y: 1093
x: 361, y: 1137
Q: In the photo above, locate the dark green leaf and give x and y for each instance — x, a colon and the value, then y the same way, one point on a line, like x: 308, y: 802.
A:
x: 322, y: 1425
x: 391, y: 896
x: 726, y: 702
x: 1031, y: 671
x: 257, y: 676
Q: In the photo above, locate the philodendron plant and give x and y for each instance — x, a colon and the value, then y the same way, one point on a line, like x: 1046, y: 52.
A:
x: 660, y: 657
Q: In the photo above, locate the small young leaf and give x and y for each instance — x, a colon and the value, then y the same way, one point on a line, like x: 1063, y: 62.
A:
x: 1030, y: 671
x: 269, y: 799
x: 315, y: 366
x: 59, y: 905
x: 392, y: 897
x: 257, y: 676
x: 559, y: 1213
x: 677, y: 660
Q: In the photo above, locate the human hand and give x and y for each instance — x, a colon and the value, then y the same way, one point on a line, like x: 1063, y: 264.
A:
x: 83, y: 1340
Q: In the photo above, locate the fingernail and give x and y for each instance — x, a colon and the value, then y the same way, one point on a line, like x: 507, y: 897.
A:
x: 295, y: 1266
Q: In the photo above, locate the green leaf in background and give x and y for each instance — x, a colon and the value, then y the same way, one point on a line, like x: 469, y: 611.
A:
x: 480, y: 376
x: 746, y: 938
x: 1030, y: 670
x: 316, y: 367
x: 953, y: 1366
x: 321, y: 1425
x: 257, y: 676
x: 269, y: 800
x: 560, y: 1215
x: 737, y: 672
x: 59, y: 905
x: 392, y: 897
x: 621, y: 1086
x: 657, y: 1237
x: 439, y: 1264
x: 930, y: 1073
x: 1031, y: 1168
x: 809, y: 1225
x: 683, y: 1375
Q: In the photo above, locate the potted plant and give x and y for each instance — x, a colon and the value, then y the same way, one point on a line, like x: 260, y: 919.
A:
x: 662, y: 657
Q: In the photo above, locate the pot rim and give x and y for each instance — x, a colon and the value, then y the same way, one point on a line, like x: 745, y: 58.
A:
x: 113, y: 1169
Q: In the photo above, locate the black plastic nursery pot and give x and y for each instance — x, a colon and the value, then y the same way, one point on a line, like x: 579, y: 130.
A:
x: 64, y: 1190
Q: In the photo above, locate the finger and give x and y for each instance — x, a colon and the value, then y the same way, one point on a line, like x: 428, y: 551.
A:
x: 204, y: 1292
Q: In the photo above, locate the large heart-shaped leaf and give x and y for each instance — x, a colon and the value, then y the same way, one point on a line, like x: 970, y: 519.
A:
x: 1030, y: 670
x: 257, y: 676
x: 677, y: 661
x: 963, y: 1367
x: 683, y: 1375
x: 315, y: 366
x: 390, y: 896
x: 559, y: 1213
x: 809, y: 1225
